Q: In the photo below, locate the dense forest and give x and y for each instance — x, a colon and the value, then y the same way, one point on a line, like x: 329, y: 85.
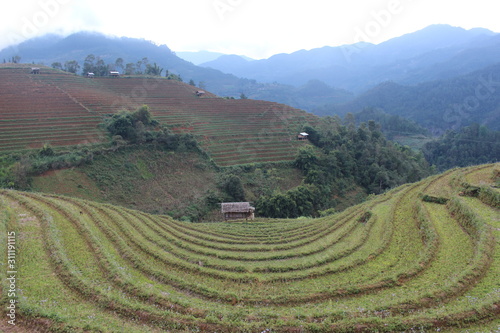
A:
x: 470, y: 145
x: 390, y: 124
x: 344, y: 156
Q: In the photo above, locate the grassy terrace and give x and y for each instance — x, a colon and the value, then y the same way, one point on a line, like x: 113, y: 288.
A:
x: 42, y: 108
x: 413, y: 265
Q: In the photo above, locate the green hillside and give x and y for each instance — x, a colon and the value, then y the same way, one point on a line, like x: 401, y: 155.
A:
x: 436, y: 105
x: 63, y: 109
x: 399, y: 262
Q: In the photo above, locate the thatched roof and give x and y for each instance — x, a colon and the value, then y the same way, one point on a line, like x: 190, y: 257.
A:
x: 236, y: 207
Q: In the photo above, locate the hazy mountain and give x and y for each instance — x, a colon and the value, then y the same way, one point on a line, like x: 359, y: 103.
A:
x: 198, y: 57
x: 202, y: 57
x: 303, y: 79
x: 52, y: 48
x: 437, y: 105
x: 412, y: 58
x: 227, y: 63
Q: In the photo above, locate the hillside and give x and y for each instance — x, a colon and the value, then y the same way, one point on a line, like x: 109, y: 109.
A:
x: 182, y: 184
x: 436, y: 105
x: 59, y: 108
x: 395, y: 263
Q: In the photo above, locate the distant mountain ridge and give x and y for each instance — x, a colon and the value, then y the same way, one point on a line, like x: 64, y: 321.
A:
x: 437, y: 105
x: 201, y: 57
x: 53, y: 48
x: 411, y: 59
x: 318, y: 80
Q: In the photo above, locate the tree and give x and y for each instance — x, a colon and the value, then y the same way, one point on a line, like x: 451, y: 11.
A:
x: 306, y: 158
x: 140, y: 63
x: 88, y: 64
x: 119, y: 63
x: 153, y: 69
x: 138, y: 67
x: 243, y: 96
x: 130, y: 69
x: 71, y: 66
x: 143, y: 114
x: 191, y: 83
x: 101, y: 69
x: 57, y: 65
x: 350, y: 121
x: 232, y: 185
x: 135, y: 127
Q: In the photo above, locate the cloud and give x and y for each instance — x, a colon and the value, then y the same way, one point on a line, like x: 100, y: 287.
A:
x: 257, y: 28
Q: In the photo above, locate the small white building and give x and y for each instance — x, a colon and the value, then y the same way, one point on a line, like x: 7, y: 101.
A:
x: 302, y: 136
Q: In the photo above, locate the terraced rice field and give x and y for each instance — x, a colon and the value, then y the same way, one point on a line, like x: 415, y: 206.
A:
x: 62, y: 109
x: 392, y: 264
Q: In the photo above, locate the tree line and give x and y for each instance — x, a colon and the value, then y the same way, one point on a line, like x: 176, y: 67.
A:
x: 97, y: 66
x: 471, y: 145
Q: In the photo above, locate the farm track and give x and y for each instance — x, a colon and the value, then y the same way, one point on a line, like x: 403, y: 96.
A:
x: 39, y: 109
x: 412, y: 265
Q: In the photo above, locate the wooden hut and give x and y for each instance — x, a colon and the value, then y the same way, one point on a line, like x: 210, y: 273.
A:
x: 114, y: 74
x: 200, y: 93
x: 90, y: 74
x: 302, y: 136
x: 35, y: 70
x: 237, y: 210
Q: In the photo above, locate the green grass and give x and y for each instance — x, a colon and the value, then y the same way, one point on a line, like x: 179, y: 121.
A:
x: 412, y: 265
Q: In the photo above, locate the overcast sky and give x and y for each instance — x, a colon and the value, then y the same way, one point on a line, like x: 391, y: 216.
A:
x: 255, y: 28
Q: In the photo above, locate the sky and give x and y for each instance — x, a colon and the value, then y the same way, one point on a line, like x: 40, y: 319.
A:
x: 255, y: 28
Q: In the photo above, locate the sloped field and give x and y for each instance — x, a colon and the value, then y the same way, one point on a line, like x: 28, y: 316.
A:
x: 395, y: 263
x: 62, y: 109
x: 33, y: 113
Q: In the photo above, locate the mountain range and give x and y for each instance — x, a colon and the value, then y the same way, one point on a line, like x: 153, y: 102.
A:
x: 436, y: 52
x: 430, y: 67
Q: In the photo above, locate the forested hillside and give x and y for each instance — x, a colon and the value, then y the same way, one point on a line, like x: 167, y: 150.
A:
x: 470, y: 145
x: 348, y: 157
x: 437, y: 105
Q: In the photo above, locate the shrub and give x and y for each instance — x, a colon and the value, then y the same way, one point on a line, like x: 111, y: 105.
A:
x: 489, y: 197
x: 438, y: 200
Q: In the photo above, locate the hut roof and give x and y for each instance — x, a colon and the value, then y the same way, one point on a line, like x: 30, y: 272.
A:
x: 236, y: 207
